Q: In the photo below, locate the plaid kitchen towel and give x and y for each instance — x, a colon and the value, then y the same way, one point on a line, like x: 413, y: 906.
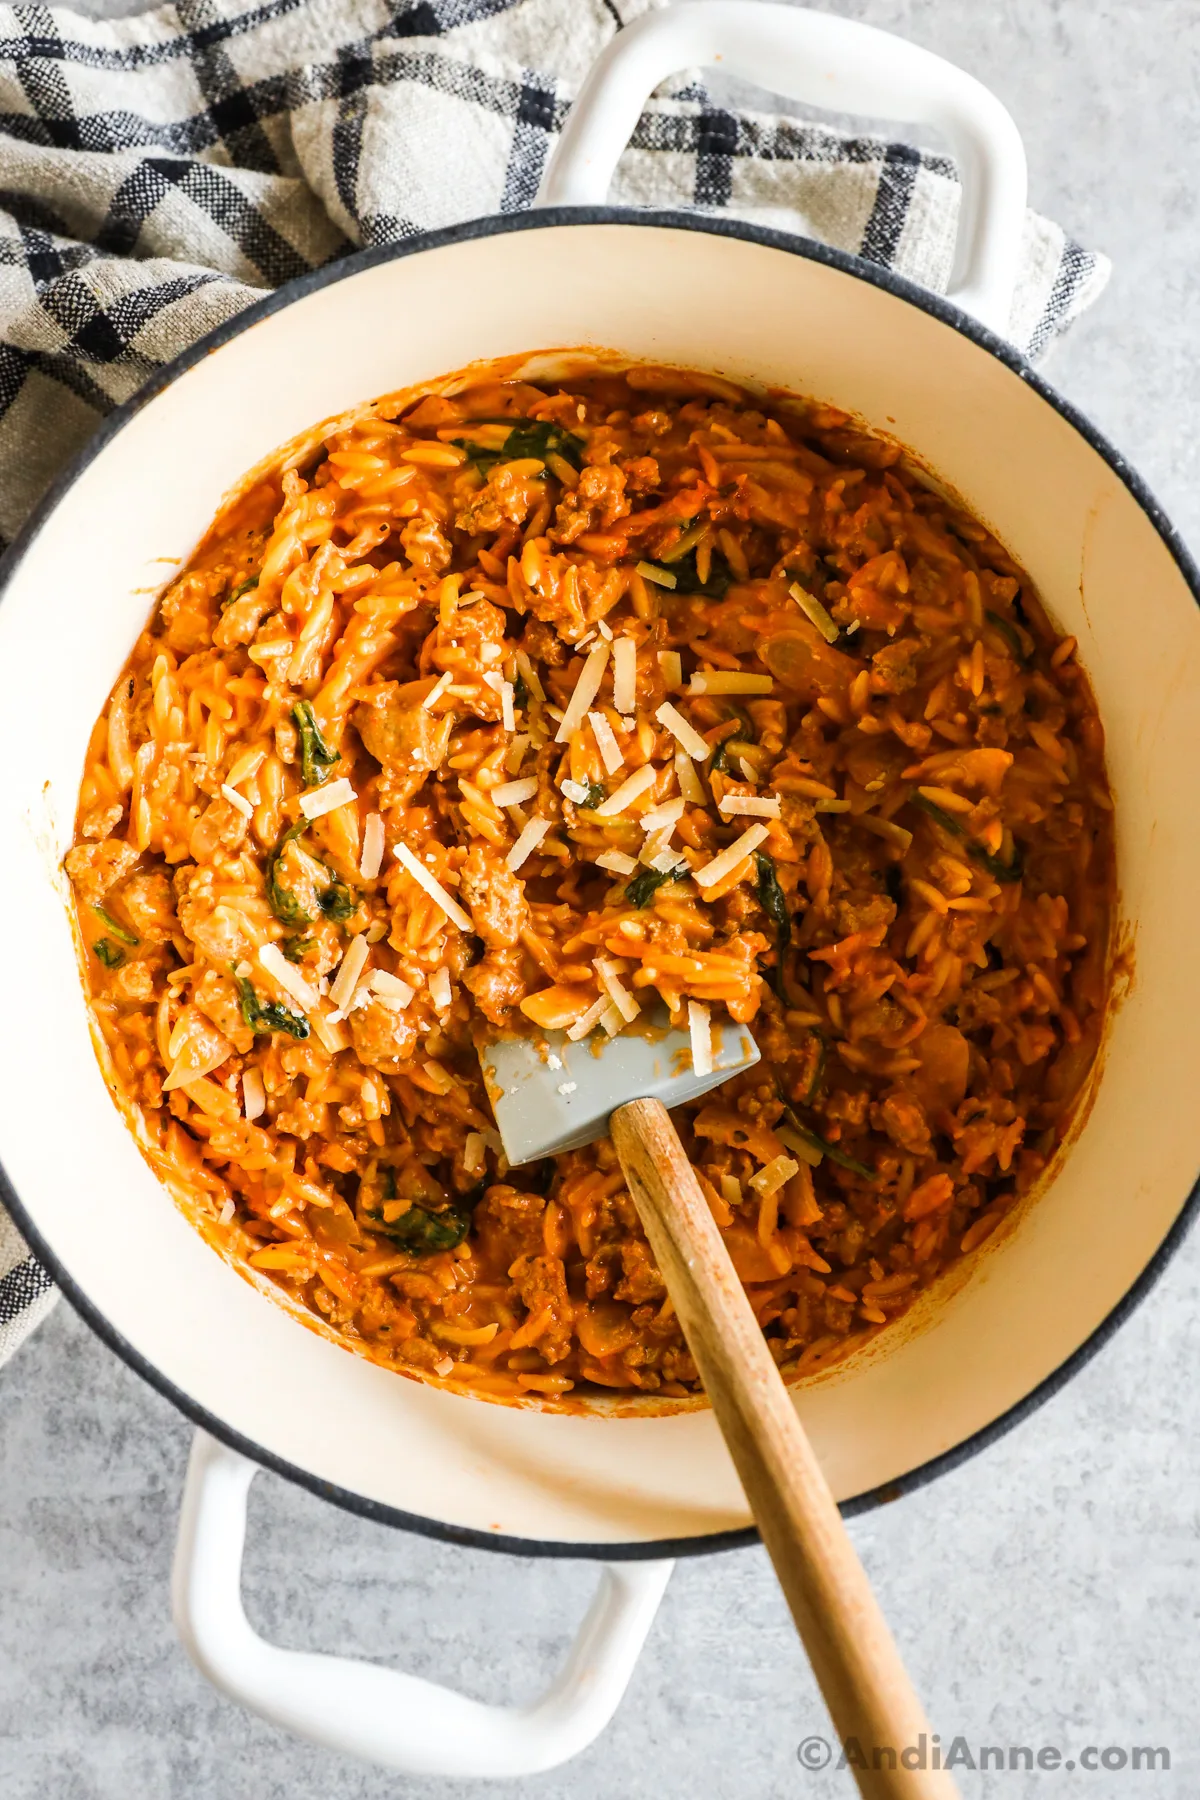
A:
x: 159, y: 173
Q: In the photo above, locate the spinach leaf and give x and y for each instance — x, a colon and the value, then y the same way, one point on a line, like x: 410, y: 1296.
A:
x: 294, y: 947
x: 644, y: 886
x: 243, y: 587
x: 118, y: 930
x: 282, y: 901
x: 110, y: 955
x: 597, y: 793
x: 316, y: 757
x: 719, y: 763
x: 996, y: 868
x: 528, y: 438
x: 268, y: 1015
x: 825, y: 1147
x: 687, y: 581
x: 424, y: 1232
x: 338, y: 902
x: 520, y: 692
x: 773, y: 901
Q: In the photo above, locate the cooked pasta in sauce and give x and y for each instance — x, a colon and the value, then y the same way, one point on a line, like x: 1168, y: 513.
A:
x: 522, y: 706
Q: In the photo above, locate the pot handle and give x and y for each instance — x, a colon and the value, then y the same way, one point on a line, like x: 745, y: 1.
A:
x: 398, y: 1721
x: 827, y: 62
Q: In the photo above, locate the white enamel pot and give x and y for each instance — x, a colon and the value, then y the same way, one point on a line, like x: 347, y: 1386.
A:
x: 754, y: 305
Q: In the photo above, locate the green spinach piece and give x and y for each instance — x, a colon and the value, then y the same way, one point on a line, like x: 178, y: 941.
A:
x: 109, y: 954
x: 643, y: 887
x: 316, y: 757
x: 773, y: 901
x: 338, y: 902
x: 528, y: 438
x: 825, y: 1147
x: 597, y: 793
x: 243, y: 587
x: 268, y: 1015
x: 282, y: 901
x: 996, y: 868
x: 424, y: 1232
x: 687, y: 581
x: 114, y: 925
x: 294, y: 947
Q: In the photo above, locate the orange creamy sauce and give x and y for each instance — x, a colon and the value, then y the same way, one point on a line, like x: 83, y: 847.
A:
x: 794, y: 651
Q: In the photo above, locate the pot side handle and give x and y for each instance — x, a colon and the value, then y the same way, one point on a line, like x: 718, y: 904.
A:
x: 824, y: 61
x: 398, y: 1721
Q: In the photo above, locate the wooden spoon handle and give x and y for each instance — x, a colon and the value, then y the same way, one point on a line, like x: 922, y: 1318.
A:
x: 852, y: 1652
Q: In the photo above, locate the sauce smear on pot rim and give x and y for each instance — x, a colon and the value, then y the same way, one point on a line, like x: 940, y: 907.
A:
x: 531, y: 708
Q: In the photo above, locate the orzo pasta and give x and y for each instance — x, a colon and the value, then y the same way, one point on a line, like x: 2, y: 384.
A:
x: 522, y: 706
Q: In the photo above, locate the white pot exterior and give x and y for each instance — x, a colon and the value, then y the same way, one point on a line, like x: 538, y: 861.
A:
x: 749, y: 306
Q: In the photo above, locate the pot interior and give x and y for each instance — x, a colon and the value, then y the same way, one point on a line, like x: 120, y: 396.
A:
x: 754, y: 310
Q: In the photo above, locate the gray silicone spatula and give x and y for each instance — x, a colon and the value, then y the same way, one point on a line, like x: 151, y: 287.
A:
x: 550, y: 1095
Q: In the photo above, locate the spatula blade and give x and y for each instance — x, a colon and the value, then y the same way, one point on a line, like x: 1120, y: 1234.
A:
x: 550, y: 1095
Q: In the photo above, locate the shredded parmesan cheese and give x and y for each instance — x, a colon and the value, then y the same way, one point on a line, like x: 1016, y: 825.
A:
x: 515, y: 755
x: 812, y: 608
x: 727, y: 861
x: 752, y: 805
x: 318, y: 801
x: 528, y: 842
x: 238, y: 800
x: 731, y: 1190
x: 722, y: 681
x: 473, y: 1148
x: 276, y: 964
x: 508, y: 716
x: 620, y: 996
x: 617, y: 861
x: 433, y: 888
x: 611, y: 1021
x: 438, y: 689
x: 254, y: 1100
x: 341, y: 989
x: 669, y: 813
x: 701, y: 1029
x: 373, y: 845
x: 685, y: 735
x: 585, y: 1021
x: 390, y: 987
x: 671, y: 664
x: 605, y: 629
x: 690, y: 785
x: 606, y: 743
x: 529, y: 675
x: 328, y: 1028
x: 585, y: 691
x: 512, y: 793
x: 627, y: 793
x: 770, y: 1179
x: 439, y: 989
x: 574, y: 790
x: 624, y: 653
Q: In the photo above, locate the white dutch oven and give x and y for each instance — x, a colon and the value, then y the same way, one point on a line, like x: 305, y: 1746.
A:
x: 760, y: 307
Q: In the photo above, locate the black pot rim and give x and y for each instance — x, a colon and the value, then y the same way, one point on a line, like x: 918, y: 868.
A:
x: 499, y: 225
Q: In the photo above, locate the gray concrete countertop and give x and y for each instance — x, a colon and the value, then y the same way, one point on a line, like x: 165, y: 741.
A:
x: 1045, y: 1594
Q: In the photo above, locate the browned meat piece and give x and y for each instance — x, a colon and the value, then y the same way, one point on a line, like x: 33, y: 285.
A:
x: 220, y: 824
x: 218, y: 998
x: 101, y: 821
x: 540, y: 1283
x: 384, y: 1037
x: 217, y: 930
x: 188, y: 611
x: 94, y: 868
x: 598, y: 501
x: 240, y: 620
x: 507, y: 498
x: 494, y: 897
x: 900, y: 1115
x: 641, y: 1280
x: 498, y: 983
x: 402, y: 734
x: 941, y: 1081
x: 150, y: 903
x: 133, y: 982
x: 542, y: 644
x: 861, y: 912
x: 509, y: 1224
x: 895, y: 665
x: 425, y: 545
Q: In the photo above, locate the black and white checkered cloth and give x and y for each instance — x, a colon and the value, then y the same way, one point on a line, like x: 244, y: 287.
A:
x: 160, y: 173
